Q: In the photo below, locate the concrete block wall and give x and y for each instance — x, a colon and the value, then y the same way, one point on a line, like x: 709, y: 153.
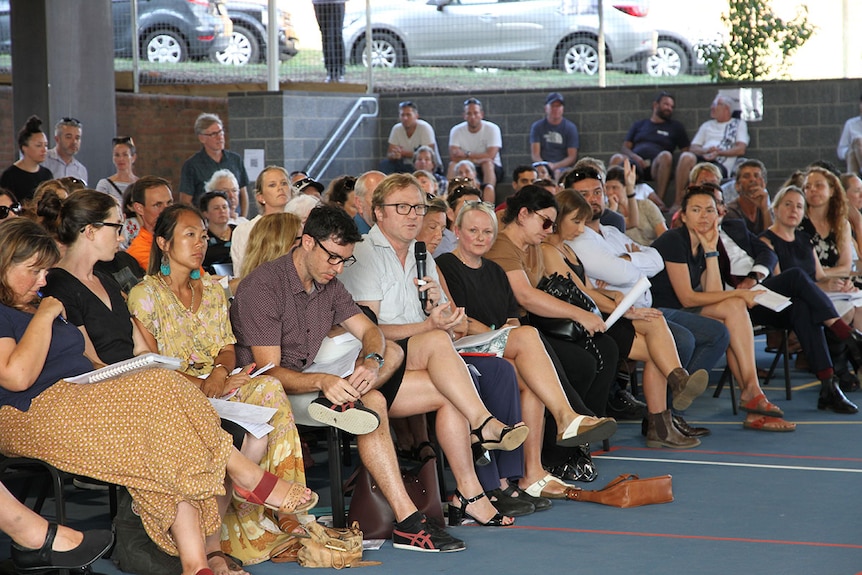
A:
x: 802, y: 121
x: 291, y: 126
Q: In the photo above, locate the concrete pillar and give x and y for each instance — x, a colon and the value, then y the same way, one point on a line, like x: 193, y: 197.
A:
x: 63, y: 65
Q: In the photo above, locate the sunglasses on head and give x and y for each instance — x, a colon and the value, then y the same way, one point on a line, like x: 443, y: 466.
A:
x: 469, y: 101
x: 14, y: 208
x: 123, y: 140
x: 406, y: 104
x: 584, y: 174
x: 69, y: 121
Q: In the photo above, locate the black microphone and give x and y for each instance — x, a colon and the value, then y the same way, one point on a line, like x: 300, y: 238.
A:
x: 421, y: 256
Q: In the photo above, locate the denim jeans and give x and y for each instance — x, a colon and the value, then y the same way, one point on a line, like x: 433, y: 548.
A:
x: 707, y: 339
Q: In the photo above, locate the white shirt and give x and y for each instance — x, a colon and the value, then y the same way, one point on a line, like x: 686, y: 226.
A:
x: 722, y: 135
x: 477, y: 142
x: 379, y: 276
x: 423, y: 135
x: 239, y: 242
x: 852, y: 130
x: 741, y: 264
x: 599, y: 253
x: 61, y: 169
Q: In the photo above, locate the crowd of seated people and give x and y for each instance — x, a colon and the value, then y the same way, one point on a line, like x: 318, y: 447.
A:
x: 120, y: 271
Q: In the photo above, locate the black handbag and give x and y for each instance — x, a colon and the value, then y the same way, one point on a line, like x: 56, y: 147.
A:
x: 565, y: 289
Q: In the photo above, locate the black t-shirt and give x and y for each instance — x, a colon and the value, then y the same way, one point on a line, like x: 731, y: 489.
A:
x: 675, y: 247
x: 485, y: 293
x: 110, y: 330
x: 649, y: 139
x: 218, y: 251
x: 23, y: 183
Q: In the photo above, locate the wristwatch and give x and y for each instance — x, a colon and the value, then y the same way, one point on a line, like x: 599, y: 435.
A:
x: 376, y: 357
x: 711, y: 254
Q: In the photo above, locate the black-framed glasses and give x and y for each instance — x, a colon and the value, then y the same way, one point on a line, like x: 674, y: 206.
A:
x: 123, y: 140
x: 476, y: 101
x: 70, y: 121
x: 335, y: 259
x: 404, y: 209
x: 547, y: 223
x: 584, y: 174
x: 14, y: 208
x: 211, y: 134
x: 116, y: 226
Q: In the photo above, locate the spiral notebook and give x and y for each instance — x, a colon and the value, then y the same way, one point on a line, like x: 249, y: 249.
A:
x: 146, y: 361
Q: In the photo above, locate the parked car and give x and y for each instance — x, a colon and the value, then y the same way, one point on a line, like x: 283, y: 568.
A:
x: 683, y: 28
x: 560, y: 34
x: 172, y: 31
x: 248, y: 41
x: 168, y: 30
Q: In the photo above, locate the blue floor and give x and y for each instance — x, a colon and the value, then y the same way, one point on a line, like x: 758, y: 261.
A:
x: 744, y: 502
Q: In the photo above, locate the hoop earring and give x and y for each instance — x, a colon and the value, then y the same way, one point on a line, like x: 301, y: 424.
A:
x: 165, y: 268
x: 195, y: 274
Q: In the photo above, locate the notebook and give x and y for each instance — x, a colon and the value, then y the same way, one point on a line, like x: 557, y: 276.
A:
x: 146, y: 361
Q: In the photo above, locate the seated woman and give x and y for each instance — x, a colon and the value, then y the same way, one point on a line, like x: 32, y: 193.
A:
x: 425, y: 159
x: 692, y: 281
x: 795, y: 253
x: 272, y: 191
x: 653, y: 342
x: 590, y: 364
x: 341, y: 193
x: 124, y: 157
x: 215, y: 208
x: 225, y: 182
x: 184, y: 314
x: 480, y: 286
x: 826, y: 221
x: 151, y: 431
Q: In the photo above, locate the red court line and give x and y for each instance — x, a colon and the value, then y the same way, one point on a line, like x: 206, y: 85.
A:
x: 735, y: 453
x: 696, y: 537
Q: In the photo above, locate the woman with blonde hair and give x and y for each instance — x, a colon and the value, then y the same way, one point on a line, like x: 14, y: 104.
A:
x: 272, y: 237
x: 272, y: 191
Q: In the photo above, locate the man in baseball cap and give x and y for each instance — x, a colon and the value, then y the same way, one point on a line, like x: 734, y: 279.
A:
x: 307, y: 186
x: 554, y: 139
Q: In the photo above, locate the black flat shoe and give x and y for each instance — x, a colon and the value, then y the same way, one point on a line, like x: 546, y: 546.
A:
x: 579, y: 467
x: 508, y: 505
x: 539, y: 503
x: 95, y: 544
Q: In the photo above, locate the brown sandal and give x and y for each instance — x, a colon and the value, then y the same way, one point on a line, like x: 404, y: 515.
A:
x: 233, y: 564
x: 292, y: 502
x: 767, y: 423
x: 761, y: 406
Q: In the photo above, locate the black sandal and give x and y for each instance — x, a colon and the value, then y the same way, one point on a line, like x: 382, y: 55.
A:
x: 457, y: 515
x: 510, y: 437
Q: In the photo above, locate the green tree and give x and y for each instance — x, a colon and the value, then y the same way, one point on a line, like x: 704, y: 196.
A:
x: 758, y: 43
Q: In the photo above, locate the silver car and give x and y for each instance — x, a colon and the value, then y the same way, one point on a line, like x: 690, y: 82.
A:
x: 558, y: 34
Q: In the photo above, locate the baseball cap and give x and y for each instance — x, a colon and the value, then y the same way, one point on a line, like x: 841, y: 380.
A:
x: 300, y: 186
x: 554, y: 97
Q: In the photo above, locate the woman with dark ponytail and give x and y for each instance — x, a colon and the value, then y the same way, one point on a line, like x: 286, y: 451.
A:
x: 23, y: 176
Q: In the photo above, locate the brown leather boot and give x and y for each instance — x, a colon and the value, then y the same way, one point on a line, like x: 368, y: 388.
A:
x: 685, y: 388
x: 661, y: 432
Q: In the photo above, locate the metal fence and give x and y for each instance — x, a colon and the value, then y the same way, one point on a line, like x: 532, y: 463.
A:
x: 437, y: 45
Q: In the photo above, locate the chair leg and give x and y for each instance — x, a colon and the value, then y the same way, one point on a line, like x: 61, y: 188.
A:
x: 784, y: 352
x: 339, y: 516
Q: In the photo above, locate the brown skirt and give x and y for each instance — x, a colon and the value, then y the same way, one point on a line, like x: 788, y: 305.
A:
x: 153, y: 432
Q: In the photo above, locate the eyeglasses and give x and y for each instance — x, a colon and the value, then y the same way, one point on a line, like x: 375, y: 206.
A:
x: 469, y: 101
x: 69, y: 121
x: 14, y: 208
x: 404, y: 209
x: 335, y: 259
x: 123, y: 140
x: 584, y: 174
x: 211, y: 134
x: 116, y: 226
x: 480, y: 203
x: 547, y: 223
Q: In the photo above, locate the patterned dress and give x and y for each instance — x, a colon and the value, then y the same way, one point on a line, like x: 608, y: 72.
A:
x: 249, y: 532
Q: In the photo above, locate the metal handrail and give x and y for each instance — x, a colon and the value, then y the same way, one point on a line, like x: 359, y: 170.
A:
x: 336, y: 141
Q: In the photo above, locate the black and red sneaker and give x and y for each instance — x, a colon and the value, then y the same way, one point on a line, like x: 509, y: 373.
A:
x: 352, y: 417
x: 416, y: 533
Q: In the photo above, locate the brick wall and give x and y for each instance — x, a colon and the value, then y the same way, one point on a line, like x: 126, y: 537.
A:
x: 802, y: 122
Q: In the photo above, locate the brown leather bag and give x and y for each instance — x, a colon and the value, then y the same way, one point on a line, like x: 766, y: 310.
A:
x: 627, y: 490
x: 369, y: 507
x: 332, y: 548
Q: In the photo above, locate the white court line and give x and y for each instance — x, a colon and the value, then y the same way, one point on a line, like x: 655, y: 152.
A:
x: 729, y: 464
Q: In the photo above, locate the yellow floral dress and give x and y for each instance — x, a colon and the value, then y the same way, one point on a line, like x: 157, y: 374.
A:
x: 249, y: 532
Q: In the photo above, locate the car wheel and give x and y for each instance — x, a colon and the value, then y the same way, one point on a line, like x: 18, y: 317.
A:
x: 386, y: 52
x: 165, y: 47
x: 670, y: 59
x: 243, y: 48
x: 580, y: 55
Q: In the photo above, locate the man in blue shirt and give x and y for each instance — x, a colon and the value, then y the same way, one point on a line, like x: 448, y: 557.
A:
x: 554, y: 139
